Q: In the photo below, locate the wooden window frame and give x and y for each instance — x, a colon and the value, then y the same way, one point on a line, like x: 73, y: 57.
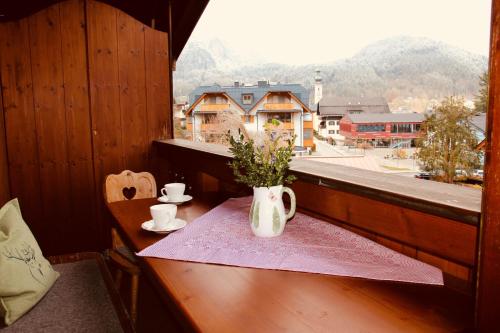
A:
x: 487, y: 218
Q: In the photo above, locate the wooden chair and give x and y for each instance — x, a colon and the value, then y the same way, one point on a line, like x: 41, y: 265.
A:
x: 127, y: 186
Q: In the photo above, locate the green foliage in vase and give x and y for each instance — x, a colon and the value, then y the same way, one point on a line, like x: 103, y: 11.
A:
x: 265, y: 163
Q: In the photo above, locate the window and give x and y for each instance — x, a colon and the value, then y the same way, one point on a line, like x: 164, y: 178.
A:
x: 308, y: 134
x: 215, y: 100
x: 210, y: 99
x: 275, y: 98
x: 404, y: 128
x: 371, y: 128
x: 247, y: 99
x: 284, y: 117
x: 347, y: 89
x: 206, y: 119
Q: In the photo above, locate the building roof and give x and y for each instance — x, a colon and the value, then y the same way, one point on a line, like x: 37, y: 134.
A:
x: 479, y: 122
x: 258, y: 91
x: 200, y: 98
x: 341, y: 106
x: 369, y: 118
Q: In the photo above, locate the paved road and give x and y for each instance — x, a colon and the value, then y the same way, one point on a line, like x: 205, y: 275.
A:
x: 371, y: 159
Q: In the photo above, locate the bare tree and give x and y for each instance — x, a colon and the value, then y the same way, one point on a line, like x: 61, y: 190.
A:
x: 223, y: 123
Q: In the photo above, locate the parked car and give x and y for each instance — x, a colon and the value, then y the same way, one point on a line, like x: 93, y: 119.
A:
x: 423, y: 175
x: 478, y: 173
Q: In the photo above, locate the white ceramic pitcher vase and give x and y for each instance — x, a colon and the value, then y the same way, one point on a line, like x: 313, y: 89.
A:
x: 267, y: 213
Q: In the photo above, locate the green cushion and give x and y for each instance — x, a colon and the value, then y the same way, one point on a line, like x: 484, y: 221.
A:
x: 25, y: 274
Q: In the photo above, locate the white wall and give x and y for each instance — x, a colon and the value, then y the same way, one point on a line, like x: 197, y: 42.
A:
x: 335, y: 127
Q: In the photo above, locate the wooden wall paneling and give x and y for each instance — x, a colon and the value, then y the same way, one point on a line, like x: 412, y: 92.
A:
x: 82, y: 225
x: 488, y: 274
x: 131, y: 64
x: 104, y: 100
x: 4, y: 163
x: 50, y: 113
x: 417, y: 229
x: 158, y: 89
x: 104, y: 89
x: 20, y: 123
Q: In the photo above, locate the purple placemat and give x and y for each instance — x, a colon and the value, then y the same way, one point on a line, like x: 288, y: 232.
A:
x: 223, y: 236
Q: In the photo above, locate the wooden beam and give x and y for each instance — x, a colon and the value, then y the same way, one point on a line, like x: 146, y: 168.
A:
x: 488, y: 279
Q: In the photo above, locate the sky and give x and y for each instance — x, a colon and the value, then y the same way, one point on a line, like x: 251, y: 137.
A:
x: 300, y: 32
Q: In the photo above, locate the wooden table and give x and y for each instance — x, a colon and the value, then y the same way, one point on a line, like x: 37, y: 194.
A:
x: 215, y: 298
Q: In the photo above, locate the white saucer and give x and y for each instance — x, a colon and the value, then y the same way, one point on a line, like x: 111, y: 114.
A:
x: 185, y: 198
x: 178, y: 224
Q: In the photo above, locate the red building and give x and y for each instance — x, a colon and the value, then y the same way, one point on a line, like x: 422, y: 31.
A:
x: 382, y: 129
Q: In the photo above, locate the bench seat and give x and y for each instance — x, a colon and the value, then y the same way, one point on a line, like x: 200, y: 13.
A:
x: 81, y: 300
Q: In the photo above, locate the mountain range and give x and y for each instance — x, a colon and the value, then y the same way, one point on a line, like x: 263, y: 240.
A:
x: 410, y: 72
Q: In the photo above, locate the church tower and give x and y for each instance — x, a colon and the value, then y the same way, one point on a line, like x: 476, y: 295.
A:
x: 318, y: 87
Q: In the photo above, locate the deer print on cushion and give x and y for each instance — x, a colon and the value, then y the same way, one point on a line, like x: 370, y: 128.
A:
x: 26, y: 254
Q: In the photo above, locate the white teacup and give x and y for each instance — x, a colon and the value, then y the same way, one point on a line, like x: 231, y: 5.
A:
x: 174, y: 191
x: 163, y: 215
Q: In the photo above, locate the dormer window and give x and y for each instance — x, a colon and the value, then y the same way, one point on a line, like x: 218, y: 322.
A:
x: 246, y: 98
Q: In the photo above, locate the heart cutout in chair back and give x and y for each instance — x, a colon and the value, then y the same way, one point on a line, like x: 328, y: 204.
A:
x: 129, y: 192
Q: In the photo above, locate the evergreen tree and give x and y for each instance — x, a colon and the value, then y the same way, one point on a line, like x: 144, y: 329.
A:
x: 481, y: 99
x: 448, y: 142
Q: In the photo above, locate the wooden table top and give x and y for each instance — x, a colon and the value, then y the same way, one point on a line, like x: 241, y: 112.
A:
x: 216, y: 298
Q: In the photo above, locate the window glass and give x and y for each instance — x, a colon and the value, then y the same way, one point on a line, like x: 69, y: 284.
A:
x: 308, y: 134
x: 404, y: 128
x: 207, y: 119
x: 247, y: 99
x: 278, y: 98
x: 284, y: 117
x: 382, y: 69
x: 371, y: 128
